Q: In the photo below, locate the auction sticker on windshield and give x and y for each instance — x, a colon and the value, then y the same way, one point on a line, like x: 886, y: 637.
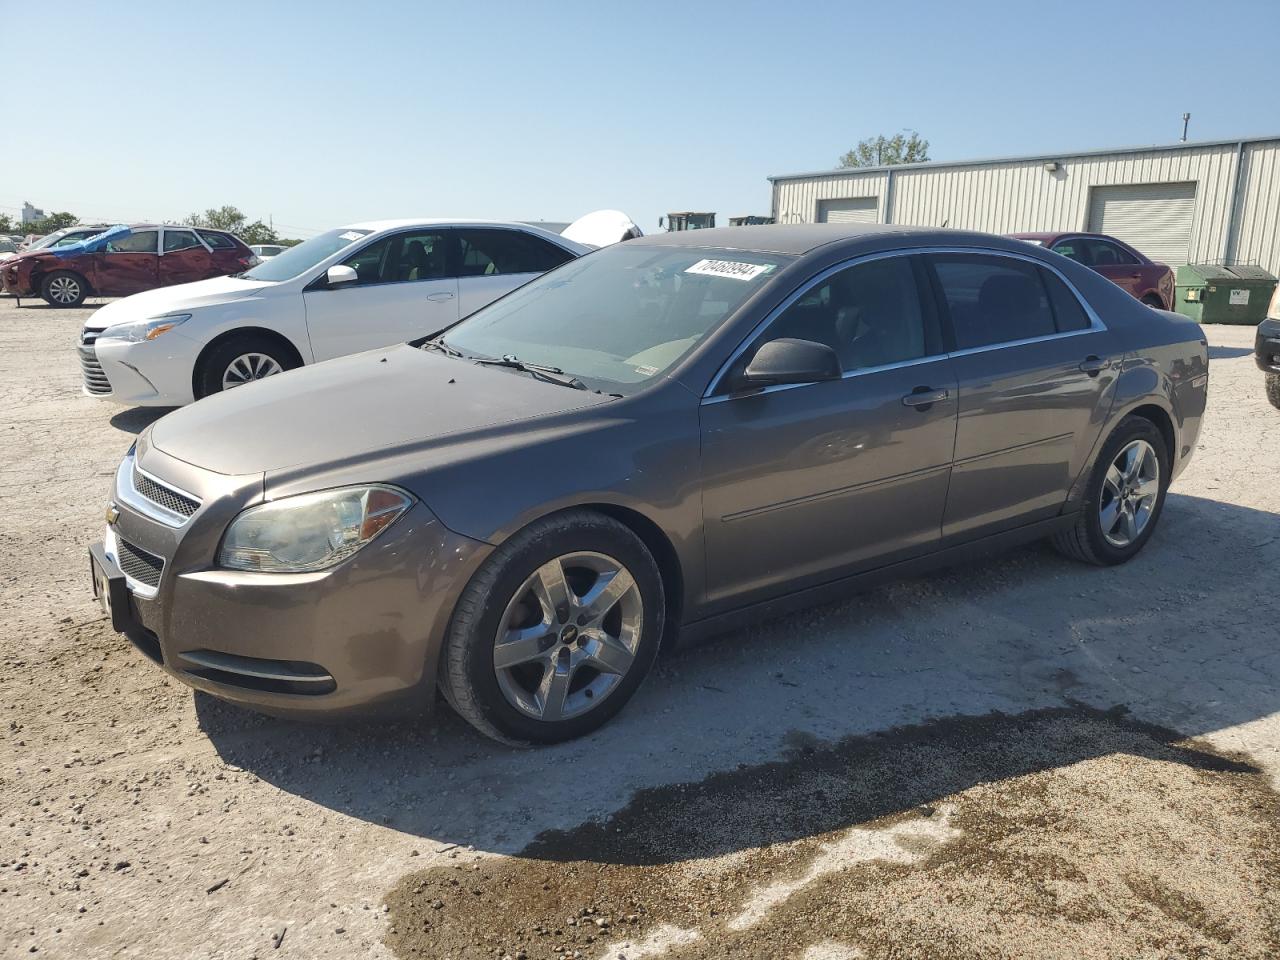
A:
x: 733, y: 269
x: 350, y: 235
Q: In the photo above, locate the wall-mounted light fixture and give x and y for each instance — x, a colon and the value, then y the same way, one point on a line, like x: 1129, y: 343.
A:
x: 1052, y: 166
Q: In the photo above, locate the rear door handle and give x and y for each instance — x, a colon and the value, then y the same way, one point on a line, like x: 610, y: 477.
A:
x: 1093, y: 365
x: 439, y: 297
x: 924, y: 397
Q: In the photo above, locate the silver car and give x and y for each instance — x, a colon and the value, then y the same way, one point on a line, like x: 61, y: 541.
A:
x: 658, y: 441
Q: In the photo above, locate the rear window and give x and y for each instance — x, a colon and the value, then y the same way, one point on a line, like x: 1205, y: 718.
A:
x: 1067, y: 312
x: 219, y: 241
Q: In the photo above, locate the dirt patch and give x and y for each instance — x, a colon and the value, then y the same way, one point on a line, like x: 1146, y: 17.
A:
x: 1055, y: 833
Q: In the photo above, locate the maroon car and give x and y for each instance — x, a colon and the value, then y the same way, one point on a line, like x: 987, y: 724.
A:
x: 1148, y: 281
x: 124, y: 260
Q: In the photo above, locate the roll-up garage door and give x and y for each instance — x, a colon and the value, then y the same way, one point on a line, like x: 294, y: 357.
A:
x: 860, y: 210
x: 1153, y: 217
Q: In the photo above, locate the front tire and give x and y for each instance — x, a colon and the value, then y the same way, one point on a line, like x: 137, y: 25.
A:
x: 63, y: 288
x: 1273, y: 389
x: 555, y: 632
x: 1124, y: 496
x: 240, y: 360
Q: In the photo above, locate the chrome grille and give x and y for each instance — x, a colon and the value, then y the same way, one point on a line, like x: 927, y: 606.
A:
x: 95, y: 380
x: 137, y: 564
x: 164, y: 496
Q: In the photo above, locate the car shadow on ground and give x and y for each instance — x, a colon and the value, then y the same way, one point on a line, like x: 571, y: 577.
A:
x: 1229, y: 353
x: 1170, y: 635
x: 137, y: 419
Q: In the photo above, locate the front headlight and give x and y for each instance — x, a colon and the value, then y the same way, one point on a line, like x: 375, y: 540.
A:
x: 310, y: 531
x: 140, y: 330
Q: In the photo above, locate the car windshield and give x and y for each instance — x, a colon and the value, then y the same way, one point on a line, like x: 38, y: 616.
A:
x: 305, y: 255
x: 54, y: 240
x: 7, y: 246
x: 617, y: 317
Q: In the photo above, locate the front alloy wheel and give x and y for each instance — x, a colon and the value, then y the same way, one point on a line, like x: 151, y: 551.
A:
x: 249, y: 367
x: 556, y: 630
x: 569, y: 636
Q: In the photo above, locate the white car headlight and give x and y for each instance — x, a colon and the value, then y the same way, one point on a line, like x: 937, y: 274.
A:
x: 140, y: 330
x: 310, y: 531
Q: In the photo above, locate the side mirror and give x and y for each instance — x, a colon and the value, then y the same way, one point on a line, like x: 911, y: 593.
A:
x: 787, y: 360
x: 339, y: 274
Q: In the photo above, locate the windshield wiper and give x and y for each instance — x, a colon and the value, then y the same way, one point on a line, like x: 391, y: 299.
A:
x: 443, y: 348
x: 539, y: 370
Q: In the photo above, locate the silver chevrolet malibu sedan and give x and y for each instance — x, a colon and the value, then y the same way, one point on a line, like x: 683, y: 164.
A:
x: 659, y: 441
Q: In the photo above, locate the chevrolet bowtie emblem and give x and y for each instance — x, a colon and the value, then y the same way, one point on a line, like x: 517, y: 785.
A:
x: 113, y: 514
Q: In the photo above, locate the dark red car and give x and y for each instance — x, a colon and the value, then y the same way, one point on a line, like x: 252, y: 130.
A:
x: 124, y: 260
x: 1148, y: 281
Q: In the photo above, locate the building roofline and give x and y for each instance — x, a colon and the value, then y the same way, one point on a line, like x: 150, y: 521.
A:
x: 942, y: 164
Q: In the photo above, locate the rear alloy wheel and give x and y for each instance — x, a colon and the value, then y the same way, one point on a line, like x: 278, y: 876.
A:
x: 1123, y: 498
x: 555, y: 631
x: 62, y: 288
x: 240, y: 360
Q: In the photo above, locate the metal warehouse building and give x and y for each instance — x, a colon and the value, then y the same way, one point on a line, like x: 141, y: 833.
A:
x: 1187, y: 202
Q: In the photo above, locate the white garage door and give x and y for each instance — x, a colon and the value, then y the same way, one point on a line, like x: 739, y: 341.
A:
x: 1154, y: 217
x: 860, y: 210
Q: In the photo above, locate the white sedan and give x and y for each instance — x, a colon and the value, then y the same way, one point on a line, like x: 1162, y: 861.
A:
x: 354, y: 288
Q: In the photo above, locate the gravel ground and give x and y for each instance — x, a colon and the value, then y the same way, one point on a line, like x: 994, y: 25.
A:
x: 1021, y: 758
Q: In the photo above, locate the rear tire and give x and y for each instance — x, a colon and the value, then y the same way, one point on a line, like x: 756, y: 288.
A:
x: 529, y: 657
x: 1153, y: 301
x: 64, y: 288
x: 1096, y: 537
x: 1273, y: 389
x: 241, y: 359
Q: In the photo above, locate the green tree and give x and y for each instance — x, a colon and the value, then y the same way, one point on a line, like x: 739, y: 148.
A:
x: 905, y: 147
x: 230, y: 218
x: 7, y: 224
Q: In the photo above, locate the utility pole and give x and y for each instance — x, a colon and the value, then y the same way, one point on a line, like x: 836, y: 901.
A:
x: 1186, y: 119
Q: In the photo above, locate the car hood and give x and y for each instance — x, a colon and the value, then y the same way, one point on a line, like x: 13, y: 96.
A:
x: 347, y: 409
x: 184, y: 296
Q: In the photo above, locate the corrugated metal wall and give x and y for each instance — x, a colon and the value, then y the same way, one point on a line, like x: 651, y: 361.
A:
x: 1011, y: 196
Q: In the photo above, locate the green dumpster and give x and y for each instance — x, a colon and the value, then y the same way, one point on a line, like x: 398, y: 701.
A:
x: 1216, y: 293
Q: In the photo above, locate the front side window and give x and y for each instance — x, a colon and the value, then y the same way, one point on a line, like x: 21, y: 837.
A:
x: 622, y: 316
x: 993, y: 299
x: 869, y: 313
x: 175, y: 240
x: 401, y: 258
x: 489, y: 252
x: 1072, y: 250
x: 1103, y: 253
x: 141, y: 241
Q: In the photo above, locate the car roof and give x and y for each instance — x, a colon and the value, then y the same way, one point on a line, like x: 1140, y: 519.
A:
x: 795, y: 239
x: 435, y: 222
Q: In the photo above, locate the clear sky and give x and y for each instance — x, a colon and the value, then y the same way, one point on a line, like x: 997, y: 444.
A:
x: 320, y: 113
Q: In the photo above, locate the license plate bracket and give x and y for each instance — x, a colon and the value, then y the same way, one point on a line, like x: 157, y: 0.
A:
x: 110, y: 589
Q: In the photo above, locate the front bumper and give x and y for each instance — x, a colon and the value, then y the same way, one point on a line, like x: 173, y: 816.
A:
x: 148, y: 374
x: 361, y: 637
x: 1266, y: 346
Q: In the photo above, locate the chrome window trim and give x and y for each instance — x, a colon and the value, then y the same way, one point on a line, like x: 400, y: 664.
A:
x: 1095, y: 322
x: 136, y: 587
x: 126, y: 493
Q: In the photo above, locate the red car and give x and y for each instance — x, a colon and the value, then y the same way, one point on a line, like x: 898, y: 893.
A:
x: 123, y: 260
x: 1148, y: 281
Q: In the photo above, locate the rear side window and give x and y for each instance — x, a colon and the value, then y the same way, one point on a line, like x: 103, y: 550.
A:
x: 1067, y: 312
x: 489, y: 252
x: 141, y: 241
x: 219, y: 241
x: 993, y: 300
x: 175, y: 240
x: 1103, y: 253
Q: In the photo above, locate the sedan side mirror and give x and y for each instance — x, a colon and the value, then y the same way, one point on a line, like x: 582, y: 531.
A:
x: 787, y: 360
x: 339, y: 274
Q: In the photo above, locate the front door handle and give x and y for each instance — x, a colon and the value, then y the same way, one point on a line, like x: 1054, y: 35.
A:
x: 439, y: 297
x: 922, y: 398
x: 1093, y: 365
